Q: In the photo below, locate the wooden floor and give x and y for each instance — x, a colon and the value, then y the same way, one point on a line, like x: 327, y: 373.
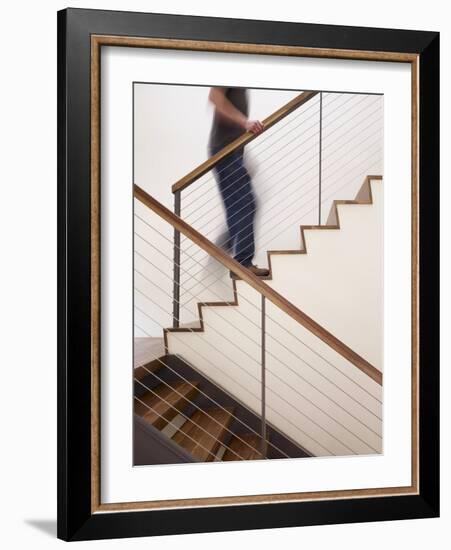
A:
x: 147, y: 349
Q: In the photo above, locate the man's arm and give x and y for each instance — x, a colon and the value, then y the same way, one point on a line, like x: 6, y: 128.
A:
x: 229, y: 112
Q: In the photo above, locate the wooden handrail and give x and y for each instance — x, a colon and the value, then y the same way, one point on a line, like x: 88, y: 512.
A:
x: 259, y: 285
x: 242, y: 140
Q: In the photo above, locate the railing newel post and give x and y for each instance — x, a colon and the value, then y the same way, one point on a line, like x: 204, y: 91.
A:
x: 263, y: 366
x: 176, y: 287
x: 320, y: 154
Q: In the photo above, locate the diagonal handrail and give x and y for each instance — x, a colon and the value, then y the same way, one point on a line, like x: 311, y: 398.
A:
x: 258, y: 284
x: 242, y: 140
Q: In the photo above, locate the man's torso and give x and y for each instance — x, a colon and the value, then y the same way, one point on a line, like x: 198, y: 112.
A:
x: 222, y: 131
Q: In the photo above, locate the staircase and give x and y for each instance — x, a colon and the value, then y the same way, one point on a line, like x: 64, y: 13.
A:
x: 181, y: 408
x: 206, y: 410
x: 348, y: 427
x: 285, y: 366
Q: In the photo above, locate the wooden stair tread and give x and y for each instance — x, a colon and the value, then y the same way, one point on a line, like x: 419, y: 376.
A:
x: 241, y: 445
x: 143, y: 370
x: 204, y: 432
x: 165, y: 402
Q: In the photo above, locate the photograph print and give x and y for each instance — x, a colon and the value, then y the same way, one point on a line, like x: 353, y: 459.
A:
x: 258, y: 229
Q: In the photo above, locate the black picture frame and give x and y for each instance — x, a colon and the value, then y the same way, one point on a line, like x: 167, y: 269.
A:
x: 76, y: 519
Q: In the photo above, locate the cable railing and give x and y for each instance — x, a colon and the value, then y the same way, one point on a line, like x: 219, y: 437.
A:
x: 249, y: 340
x: 258, y: 150
x: 205, y: 286
x: 306, y: 207
x: 346, y: 128
x: 298, y: 197
x: 375, y: 135
x: 303, y: 385
x: 247, y: 358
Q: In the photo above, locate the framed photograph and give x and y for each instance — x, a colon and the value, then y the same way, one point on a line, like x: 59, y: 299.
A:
x: 248, y: 274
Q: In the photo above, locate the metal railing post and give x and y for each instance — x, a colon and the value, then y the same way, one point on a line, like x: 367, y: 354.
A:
x: 320, y: 154
x: 176, y: 288
x: 264, y: 444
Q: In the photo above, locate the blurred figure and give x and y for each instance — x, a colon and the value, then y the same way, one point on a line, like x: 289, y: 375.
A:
x: 230, y: 120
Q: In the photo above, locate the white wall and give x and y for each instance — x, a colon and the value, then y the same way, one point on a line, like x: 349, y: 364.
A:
x: 28, y: 481
x: 339, y: 282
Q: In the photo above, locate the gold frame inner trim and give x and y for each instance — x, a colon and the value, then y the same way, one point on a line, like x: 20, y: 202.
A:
x: 97, y: 41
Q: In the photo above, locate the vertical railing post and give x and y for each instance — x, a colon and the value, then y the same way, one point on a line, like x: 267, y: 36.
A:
x: 320, y: 154
x: 176, y: 288
x: 263, y: 377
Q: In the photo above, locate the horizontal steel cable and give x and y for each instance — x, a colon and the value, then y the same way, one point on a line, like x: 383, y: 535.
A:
x: 281, y: 380
x: 257, y: 397
x: 163, y: 363
x: 276, y: 358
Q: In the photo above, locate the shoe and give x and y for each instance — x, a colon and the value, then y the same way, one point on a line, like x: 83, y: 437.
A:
x: 259, y: 271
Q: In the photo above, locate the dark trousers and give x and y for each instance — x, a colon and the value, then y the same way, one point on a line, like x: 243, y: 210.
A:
x: 238, y: 197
